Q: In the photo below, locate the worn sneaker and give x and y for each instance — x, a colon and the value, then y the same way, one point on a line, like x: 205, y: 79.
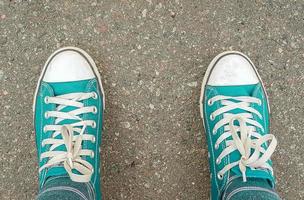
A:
x: 235, y: 112
x: 68, y: 115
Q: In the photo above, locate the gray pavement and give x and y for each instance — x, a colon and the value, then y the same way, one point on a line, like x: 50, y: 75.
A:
x: 152, y: 55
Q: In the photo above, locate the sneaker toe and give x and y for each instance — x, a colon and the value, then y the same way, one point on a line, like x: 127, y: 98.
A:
x: 233, y: 69
x: 68, y: 65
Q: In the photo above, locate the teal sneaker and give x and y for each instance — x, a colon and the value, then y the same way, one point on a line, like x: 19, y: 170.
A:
x: 235, y: 111
x: 68, y: 117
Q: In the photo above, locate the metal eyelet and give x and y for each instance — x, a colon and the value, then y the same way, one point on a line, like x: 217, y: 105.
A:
x: 94, y: 124
x: 212, y: 117
x: 46, y: 115
x: 218, y: 161
x: 92, y: 154
x: 46, y: 100
x: 213, y: 132
x: 95, y: 110
x: 44, y: 129
x: 216, y: 146
x: 95, y: 95
x: 260, y: 102
x: 93, y: 139
x: 220, y: 176
x: 210, y: 102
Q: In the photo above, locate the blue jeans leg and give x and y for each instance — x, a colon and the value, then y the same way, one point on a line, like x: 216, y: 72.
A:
x: 64, y: 188
x: 253, y: 189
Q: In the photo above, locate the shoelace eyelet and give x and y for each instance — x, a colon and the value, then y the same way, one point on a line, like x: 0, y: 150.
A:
x: 210, y: 102
x: 219, y: 176
x: 44, y: 129
x: 95, y: 110
x: 216, y: 147
x: 212, y: 117
x: 93, y: 139
x: 218, y: 161
x: 92, y: 154
x: 46, y: 115
x: 46, y: 100
x: 94, y: 95
x: 94, y: 124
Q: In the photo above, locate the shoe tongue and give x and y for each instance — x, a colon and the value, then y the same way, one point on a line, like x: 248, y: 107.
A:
x: 69, y: 87
x: 61, y: 89
x: 253, y: 173
x: 238, y: 90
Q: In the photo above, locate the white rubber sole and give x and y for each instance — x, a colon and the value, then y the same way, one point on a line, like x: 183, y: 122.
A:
x: 207, y: 74
x: 88, y: 57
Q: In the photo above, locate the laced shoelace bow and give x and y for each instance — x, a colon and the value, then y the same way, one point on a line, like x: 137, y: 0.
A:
x: 73, y: 135
x: 245, y: 139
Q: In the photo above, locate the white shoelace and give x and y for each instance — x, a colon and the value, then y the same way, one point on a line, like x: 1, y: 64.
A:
x: 71, y: 158
x: 247, y: 139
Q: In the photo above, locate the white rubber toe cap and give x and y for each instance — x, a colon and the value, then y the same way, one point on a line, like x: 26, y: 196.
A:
x: 68, y: 65
x: 232, y: 69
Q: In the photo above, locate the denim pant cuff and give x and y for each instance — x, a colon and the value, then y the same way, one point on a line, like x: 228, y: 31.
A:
x: 253, y: 189
x: 64, y: 188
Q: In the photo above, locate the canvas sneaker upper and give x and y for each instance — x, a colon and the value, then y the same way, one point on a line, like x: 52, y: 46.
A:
x: 234, y: 108
x: 68, y: 114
